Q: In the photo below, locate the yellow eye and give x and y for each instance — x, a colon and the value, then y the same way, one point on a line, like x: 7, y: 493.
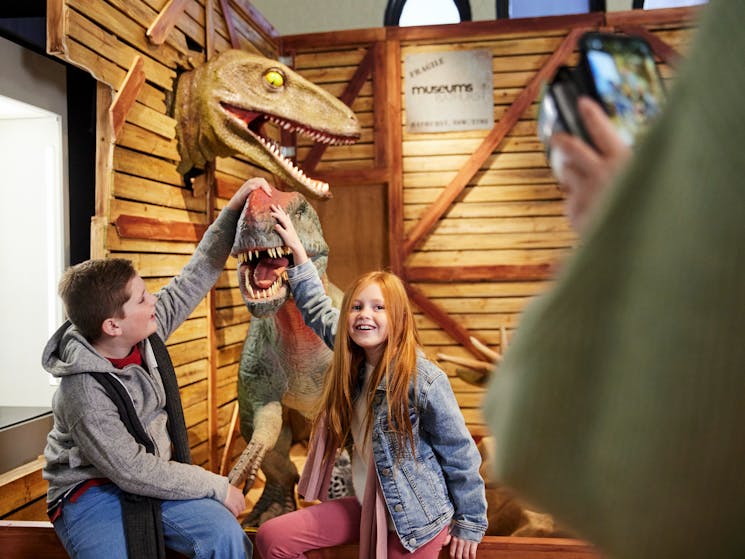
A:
x: 275, y: 78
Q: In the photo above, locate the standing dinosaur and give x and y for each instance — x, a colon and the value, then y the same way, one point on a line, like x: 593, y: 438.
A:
x: 222, y: 109
x: 283, y: 361
x: 222, y: 106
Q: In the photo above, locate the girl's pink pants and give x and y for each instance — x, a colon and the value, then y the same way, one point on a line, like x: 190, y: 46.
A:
x: 327, y: 524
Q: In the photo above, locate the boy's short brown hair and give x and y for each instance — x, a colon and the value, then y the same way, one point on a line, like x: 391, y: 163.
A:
x: 95, y: 290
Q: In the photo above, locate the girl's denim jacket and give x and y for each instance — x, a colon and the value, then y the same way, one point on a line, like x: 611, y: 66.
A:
x: 441, y: 483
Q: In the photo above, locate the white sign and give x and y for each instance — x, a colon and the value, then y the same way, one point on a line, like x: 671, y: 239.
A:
x: 450, y: 90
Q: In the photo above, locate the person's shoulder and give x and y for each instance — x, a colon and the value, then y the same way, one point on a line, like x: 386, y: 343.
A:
x: 427, y: 370
x: 79, y: 387
x: 79, y: 395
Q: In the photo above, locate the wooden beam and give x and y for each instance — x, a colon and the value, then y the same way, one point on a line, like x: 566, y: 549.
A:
x: 127, y: 94
x: 228, y: 16
x: 209, y: 29
x: 201, y: 184
x: 56, y: 33
x: 443, y: 319
x: 212, y: 391
x: 259, y: 22
x: 333, y: 39
x: 104, y: 170
x: 419, y: 232
x: 166, y: 20
x: 350, y: 94
x: 379, y: 115
x: 664, y: 17
x: 137, y: 227
x: 24, y: 539
x: 475, y: 30
x: 99, y: 228
x: 21, y: 485
x: 389, y: 107
x: 227, y: 451
x: 449, y: 274
x: 665, y: 52
x: 487, y: 352
x: 471, y: 29
x: 474, y: 364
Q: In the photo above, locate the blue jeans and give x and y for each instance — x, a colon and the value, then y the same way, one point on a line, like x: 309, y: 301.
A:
x: 92, y: 528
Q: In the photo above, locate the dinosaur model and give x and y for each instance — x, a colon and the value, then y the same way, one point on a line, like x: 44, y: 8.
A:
x: 222, y: 107
x: 283, y: 360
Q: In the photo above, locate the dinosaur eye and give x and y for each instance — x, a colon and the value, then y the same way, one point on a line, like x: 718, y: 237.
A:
x: 274, y: 77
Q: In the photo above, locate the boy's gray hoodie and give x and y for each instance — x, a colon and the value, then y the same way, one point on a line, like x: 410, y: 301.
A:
x: 88, y: 439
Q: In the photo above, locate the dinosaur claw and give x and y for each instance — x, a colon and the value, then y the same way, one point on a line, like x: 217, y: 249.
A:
x: 244, y: 471
x: 276, y: 500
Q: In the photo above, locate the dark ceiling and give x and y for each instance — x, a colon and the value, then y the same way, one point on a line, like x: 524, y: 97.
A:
x: 23, y: 8
x: 24, y: 22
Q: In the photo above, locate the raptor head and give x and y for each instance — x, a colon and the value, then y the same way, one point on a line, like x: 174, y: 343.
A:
x: 221, y: 108
x: 262, y: 257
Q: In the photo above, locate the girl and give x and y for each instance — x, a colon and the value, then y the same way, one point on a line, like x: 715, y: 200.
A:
x: 415, y: 465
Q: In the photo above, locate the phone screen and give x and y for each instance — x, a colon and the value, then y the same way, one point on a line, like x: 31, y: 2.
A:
x: 626, y: 82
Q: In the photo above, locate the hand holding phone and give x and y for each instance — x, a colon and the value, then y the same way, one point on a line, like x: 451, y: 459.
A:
x: 584, y: 171
x: 620, y: 73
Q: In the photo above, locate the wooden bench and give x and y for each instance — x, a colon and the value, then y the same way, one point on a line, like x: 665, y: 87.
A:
x: 27, y: 539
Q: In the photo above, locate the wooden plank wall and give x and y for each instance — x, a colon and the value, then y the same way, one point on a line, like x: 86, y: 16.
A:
x: 508, y: 215
x: 497, y: 244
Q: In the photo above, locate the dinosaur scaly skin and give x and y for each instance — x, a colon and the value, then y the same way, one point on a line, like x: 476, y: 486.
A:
x: 283, y: 361
x: 222, y: 106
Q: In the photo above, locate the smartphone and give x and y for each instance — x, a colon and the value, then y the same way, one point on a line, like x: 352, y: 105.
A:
x: 621, y: 74
x: 558, y: 107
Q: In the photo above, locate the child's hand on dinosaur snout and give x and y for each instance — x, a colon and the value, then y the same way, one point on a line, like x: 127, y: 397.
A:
x: 286, y: 230
x: 239, y: 198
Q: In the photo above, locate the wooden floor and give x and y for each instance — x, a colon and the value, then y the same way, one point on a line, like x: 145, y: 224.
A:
x: 37, y: 540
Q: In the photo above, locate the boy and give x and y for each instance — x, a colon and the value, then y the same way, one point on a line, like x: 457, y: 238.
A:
x: 97, y: 461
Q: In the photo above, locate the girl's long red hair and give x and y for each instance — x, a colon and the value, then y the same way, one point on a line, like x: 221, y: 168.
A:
x: 397, y: 366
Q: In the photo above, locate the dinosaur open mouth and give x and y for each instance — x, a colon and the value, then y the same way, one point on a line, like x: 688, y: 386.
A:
x: 262, y: 273
x: 254, y: 123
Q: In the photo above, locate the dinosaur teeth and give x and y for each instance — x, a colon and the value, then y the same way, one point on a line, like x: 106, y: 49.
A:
x: 317, y: 186
x: 247, y: 285
x: 273, y: 252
